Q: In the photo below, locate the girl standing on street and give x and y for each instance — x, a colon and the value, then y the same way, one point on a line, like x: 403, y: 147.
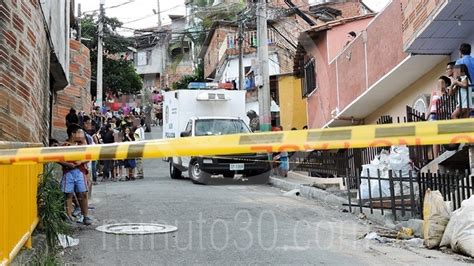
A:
x: 130, y: 164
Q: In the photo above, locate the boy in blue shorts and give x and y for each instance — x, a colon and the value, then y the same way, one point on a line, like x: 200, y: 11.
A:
x: 73, y: 180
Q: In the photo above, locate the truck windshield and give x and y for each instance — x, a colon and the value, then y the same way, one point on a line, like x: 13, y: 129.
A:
x: 207, y: 127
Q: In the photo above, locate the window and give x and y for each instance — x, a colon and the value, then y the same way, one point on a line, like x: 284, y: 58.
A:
x: 189, y: 127
x: 144, y: 58
x: 208, y: 127
x: 309, y: 77
x: 421, y: 104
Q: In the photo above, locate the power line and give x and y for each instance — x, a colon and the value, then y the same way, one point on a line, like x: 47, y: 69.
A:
x: 213, y: 10
x: 152, y: 15
x: 110, y: 7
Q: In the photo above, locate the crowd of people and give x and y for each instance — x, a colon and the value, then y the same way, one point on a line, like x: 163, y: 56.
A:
x: 97, y: 128
x: 458, y: 83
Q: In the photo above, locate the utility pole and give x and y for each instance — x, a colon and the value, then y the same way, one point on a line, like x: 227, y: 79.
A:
x: 262, y: 52
x: 79, y: 26
x: 99, y: 54
x: 158, y: 11
x: 241, y: 56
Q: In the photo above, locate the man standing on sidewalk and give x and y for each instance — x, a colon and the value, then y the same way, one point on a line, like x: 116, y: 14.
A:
x: 108, y: 138
x: 139, y: 135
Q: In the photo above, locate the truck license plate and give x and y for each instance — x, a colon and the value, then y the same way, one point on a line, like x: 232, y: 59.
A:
x: 236, y: 166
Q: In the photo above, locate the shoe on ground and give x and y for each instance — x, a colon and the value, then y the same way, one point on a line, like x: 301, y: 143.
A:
x: 76, y: 212
x: 69, y: 220
x: 87, y: 221
x: 80, y: 219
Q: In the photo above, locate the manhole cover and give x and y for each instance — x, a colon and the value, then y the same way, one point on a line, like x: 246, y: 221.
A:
x: 136, y: 229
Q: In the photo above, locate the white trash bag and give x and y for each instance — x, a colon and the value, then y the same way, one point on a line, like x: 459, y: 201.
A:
x: 67, y: 241
x: 401, y: 166
x: 459, y: 233
x: 400, y: 161
x: 372, y: 171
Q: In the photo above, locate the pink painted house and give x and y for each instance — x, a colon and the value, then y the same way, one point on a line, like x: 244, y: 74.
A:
x: 345, y: 71
x: 346, y: 82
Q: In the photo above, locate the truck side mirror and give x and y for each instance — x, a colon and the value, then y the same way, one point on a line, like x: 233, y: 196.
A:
x: 185, y: 134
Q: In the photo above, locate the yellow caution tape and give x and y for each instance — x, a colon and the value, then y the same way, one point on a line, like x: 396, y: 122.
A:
x: 422, y: 133
x: 18, y: 145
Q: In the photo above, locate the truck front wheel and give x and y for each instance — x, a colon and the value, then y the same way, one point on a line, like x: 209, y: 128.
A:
x: 175, y: 173
x: 196, y: 174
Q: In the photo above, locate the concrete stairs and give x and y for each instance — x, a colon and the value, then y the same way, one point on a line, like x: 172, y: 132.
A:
x: 450, y: 161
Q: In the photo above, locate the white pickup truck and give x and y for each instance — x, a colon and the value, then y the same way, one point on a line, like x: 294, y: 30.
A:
x: 194, y: 113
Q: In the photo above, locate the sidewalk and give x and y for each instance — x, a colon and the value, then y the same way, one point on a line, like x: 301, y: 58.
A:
x: 308, y: 187
x: 334, y: 196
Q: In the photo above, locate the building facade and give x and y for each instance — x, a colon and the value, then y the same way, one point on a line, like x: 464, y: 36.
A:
x: 385, y: 76
x: 77, y: 94
x: 163, y: 55
x: 34, y: 54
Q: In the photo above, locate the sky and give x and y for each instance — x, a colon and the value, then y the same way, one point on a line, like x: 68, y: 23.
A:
x: 138, y: 14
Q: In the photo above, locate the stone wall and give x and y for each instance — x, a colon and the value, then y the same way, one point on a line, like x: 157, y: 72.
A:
x: 24, y: 73
x: 77, y: 94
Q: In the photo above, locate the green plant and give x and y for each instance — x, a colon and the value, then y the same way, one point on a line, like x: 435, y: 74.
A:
x: 46, y: 259
x: 119, y: 74
x: 51, y: 209
x: 197, y: 76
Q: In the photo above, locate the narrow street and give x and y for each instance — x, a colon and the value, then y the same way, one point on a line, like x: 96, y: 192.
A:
x: 362, y: 103
x: 228, y: 225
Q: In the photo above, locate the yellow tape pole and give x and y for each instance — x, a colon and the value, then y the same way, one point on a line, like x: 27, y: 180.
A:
x: 423, y: 133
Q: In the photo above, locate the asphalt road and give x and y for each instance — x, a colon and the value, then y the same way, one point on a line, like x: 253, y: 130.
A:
x: 240, y: 224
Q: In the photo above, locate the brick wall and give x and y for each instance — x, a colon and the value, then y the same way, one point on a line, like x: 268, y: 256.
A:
x: 211, y: 58
x: 415, y: 14
x: 301, y: 4
x: 77, y: 94
x: 348, y: 9
x: 24, y: 72
x: 174, y: 76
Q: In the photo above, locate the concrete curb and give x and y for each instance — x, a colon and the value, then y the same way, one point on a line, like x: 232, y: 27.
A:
x: 308, y: 191
x: 30, y: 256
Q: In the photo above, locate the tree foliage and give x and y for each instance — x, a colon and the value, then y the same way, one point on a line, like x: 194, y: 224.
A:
x: 119, y: 75
x: 213, y: 14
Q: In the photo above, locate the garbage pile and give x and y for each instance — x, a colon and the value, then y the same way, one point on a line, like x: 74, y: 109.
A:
x: 440, y: 227
x: 445, y: 229
x: 396, y: 160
